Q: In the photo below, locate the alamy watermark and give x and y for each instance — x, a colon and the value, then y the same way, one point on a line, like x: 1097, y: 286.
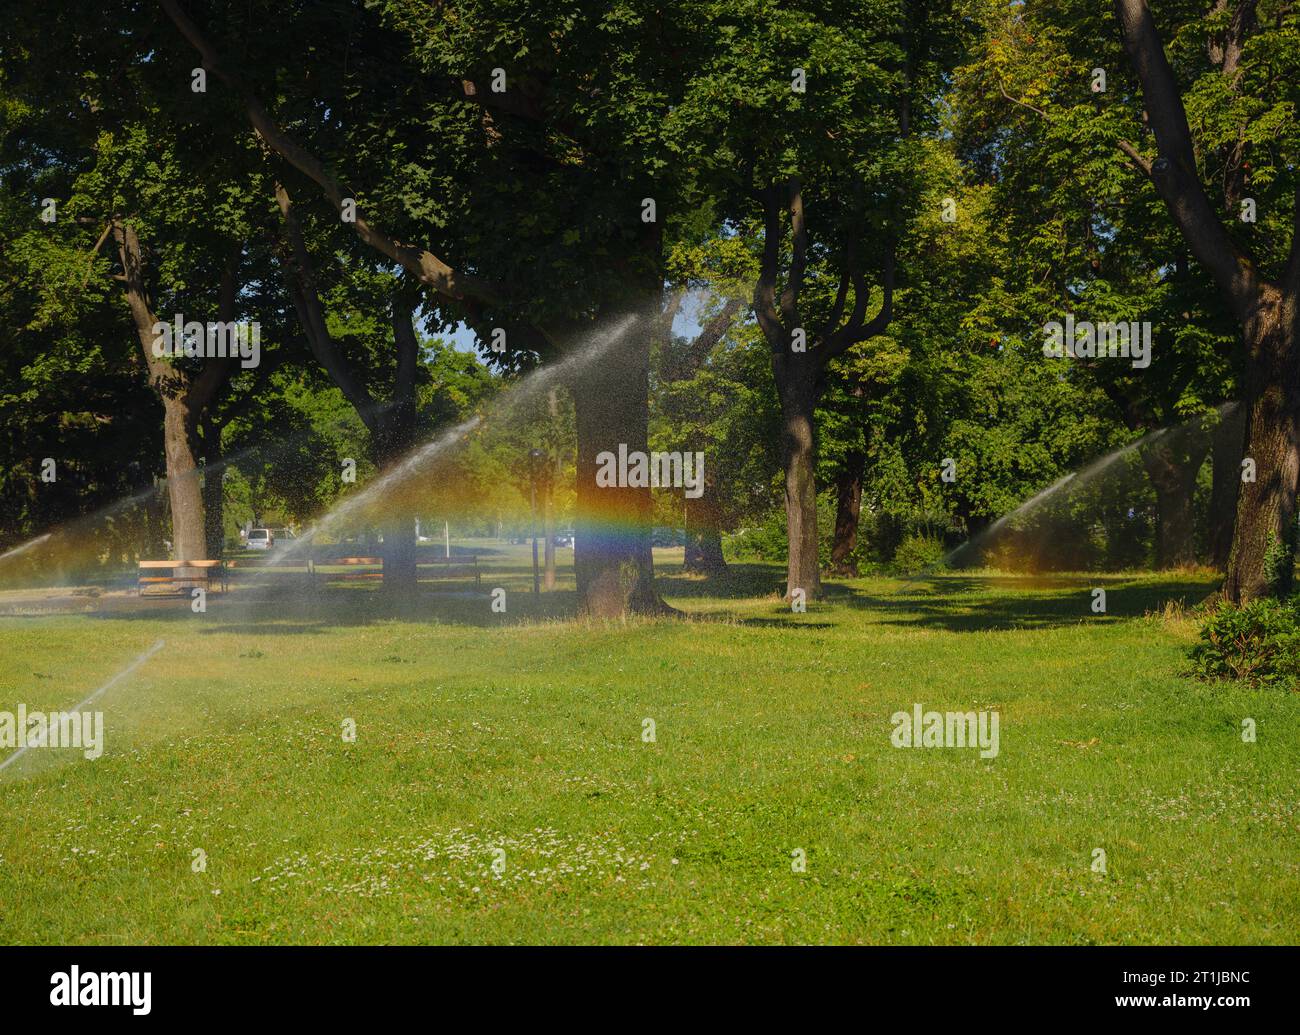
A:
x: 72, y: 987
x: 215, y: 340
x: 919, y: 728
x: 26, y: 729
x: 1085, y: 340
x: 636, y: 469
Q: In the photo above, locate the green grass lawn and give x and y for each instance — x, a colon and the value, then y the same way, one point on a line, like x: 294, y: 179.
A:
x: 480, y: 734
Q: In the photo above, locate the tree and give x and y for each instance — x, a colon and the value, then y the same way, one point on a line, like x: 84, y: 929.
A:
x: 683, y: 362
x: 121, y: 177
x: 70, y: 390
x: 579, y: 151
x: 1083, y: 239
x: 1242, y: 84
x: 714, y: 395
x: 818, y: 148
x: 855, y: 412
x: 184, y: 396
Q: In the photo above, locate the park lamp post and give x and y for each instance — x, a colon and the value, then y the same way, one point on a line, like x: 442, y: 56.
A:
x: 535, y: 456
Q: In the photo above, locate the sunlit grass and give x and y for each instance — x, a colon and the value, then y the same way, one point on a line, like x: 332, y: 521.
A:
x: 518, y: 739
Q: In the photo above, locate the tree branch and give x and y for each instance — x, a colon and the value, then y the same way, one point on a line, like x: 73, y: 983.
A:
x: 798, y: 259
x: 408, y: 347
x: 1174, y: 172
x: 428, y: 268
x: 841, y: 293
x: 765, y: 288
x: 1024, y: 104
x: 217, y: 370
x: 90, y: 259
x: 858, y: 328
x: 692, y: 358
x: 1139, y: 160
x: 161, y: 373
x: 301, y: 282
x: 669, y: 315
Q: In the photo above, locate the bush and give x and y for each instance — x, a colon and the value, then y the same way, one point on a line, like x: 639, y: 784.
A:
x: 763, y: 542
x: 1258, y: 642
x: 917, y: 552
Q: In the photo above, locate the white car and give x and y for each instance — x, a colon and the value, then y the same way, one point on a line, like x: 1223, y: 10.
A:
x: 260, y: 539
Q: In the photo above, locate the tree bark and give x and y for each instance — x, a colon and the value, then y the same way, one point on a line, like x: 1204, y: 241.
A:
x: 399, y: 548
x: 548, y: 530
x: 550, y: 480
x: 848, y: 509
x: 213, y: 489
x: 184, y: 493
x: 397, y: 433
x: 798, y: 399
x: 399, y: 555
x: 704, y: 535
x: 1172, y: 472
x: 183, y: 398
x: 703, y: 516
x: 1227, y: 447
x: 1263, y: 547
x: 214, y: 518
x: 612, y: 556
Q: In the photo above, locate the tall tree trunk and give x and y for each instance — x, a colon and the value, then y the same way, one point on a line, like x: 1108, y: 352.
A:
x: 183, y: 397
x: 1172, y: 472
x: 1228, y: 443
x: 848, y: 509
x: 184, y: 493
x: 395, y: 438
x: 397, y: 433
x: 550, y: 480
x: 704, y: 534
x: 1263, y: 544
x: 798, y: 399
x: 612, y: 558
x: 399, y: 555
x: 213, y: 489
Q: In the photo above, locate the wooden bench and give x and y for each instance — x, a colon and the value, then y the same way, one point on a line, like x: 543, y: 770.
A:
x: 356, y: 562
x: 182, y: 574
x: 274, y: 562
x: 450, y: 567
x: 455, y: 567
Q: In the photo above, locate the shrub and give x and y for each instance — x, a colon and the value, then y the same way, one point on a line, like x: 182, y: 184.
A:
x: 1257, y: 642
x: 917, y: 552
x: 766, y: 541
x: 762, y: 542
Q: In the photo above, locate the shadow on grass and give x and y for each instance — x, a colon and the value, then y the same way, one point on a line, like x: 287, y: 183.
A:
x: 980, y: 603
x: 294, y: 607
x: 439, y: 608
x: 286, y: 604
x: 738, y: 581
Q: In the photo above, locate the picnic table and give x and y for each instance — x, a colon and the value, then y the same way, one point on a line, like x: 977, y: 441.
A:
x: 460, y: 567
x: 181, y: 574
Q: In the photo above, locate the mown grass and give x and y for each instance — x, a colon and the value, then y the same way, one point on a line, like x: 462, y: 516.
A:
x: 479, y: 732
